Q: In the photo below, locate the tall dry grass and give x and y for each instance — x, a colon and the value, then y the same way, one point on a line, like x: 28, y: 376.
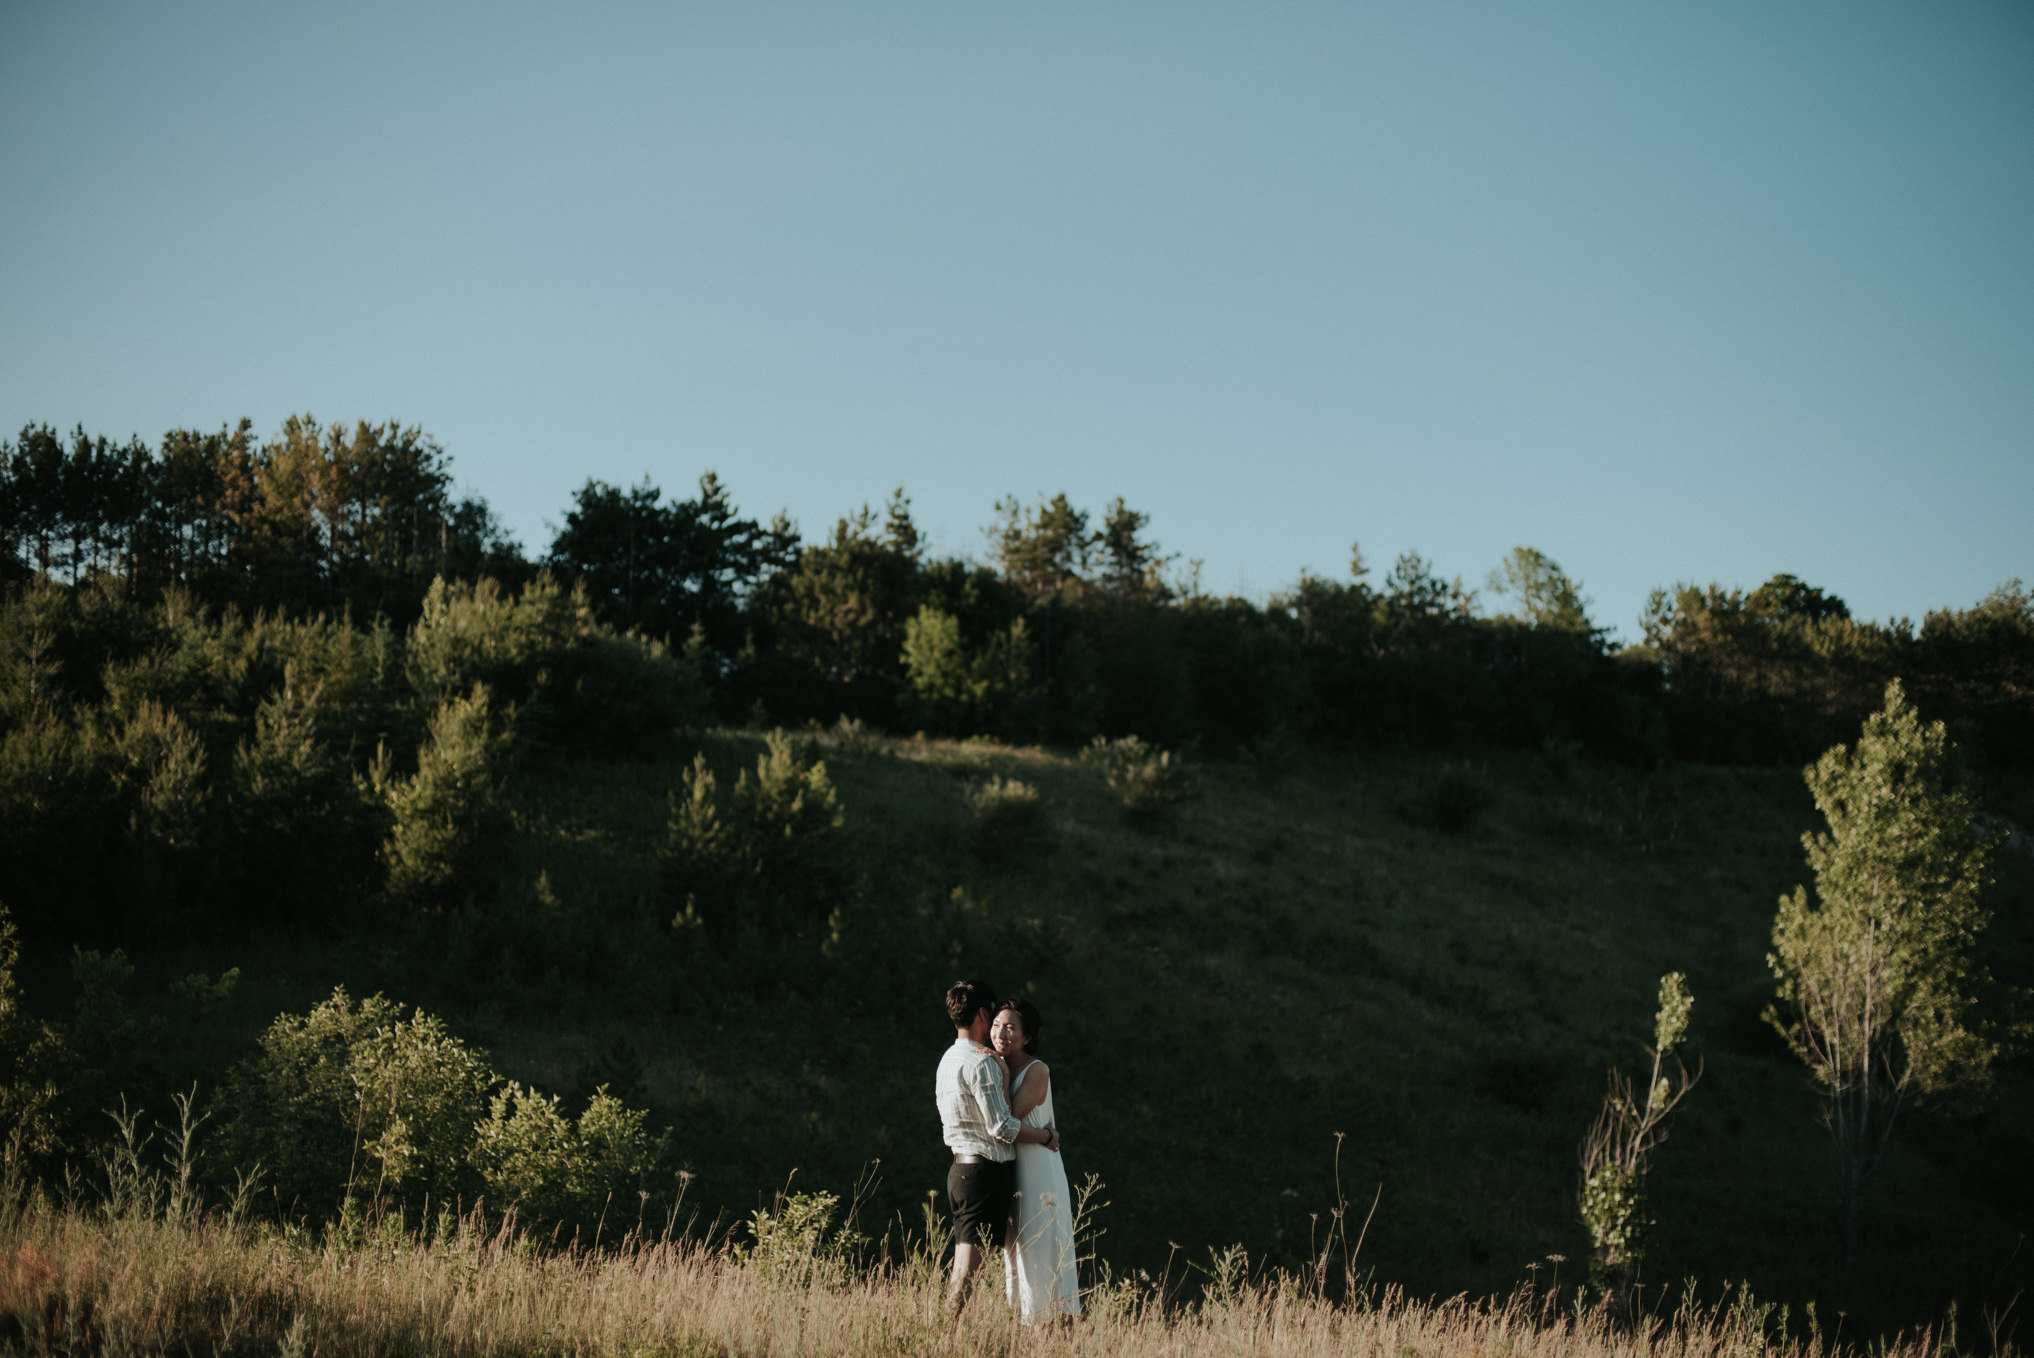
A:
x: 79, y: 1280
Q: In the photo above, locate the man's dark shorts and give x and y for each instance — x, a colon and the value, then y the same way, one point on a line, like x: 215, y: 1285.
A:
x: 980, y: 1194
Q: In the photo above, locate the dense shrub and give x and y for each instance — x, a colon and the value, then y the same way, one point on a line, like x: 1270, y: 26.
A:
x: 165, y: 766
x: 360, y: 1101
x: 556, y: 1168
x: 769, y: 858
x: 446, y: 821
x: 194, y: 767
x: 215, y: 671
x: 353, y: 1098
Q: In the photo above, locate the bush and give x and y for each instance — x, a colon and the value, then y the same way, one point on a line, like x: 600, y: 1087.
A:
x: 1144, y: 779
x: 447, y: 819
x: 351, y: 1101
x: 552, y: 1169
x: 1008, y: 818
x: 357, y: 1099
x: 789, y: 1245
x: 215, y: 671
x: 771, y: 859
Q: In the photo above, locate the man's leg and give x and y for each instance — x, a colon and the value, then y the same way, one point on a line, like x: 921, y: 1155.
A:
x: 980, y: 1194
x: 967, y: 1260
x: 963, y: 1196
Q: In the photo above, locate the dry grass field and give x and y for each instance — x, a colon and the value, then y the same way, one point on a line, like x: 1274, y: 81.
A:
x: 119, y: 1283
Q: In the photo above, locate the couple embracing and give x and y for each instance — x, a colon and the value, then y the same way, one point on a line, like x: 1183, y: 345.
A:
x: 1007, y: 1186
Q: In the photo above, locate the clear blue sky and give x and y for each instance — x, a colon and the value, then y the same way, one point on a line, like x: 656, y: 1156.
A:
x: 1690, y: 292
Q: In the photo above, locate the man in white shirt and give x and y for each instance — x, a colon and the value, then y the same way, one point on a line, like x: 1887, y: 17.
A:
x: 982, y: 1133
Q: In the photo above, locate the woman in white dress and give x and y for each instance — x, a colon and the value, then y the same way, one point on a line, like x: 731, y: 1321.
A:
x: 1042, y: 1282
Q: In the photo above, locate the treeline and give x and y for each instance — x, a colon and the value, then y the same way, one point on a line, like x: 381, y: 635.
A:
x: 313, y: 520
x: 1075, y: 626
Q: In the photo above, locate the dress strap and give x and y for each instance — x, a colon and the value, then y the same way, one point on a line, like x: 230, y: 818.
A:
x: 1022, y: 1073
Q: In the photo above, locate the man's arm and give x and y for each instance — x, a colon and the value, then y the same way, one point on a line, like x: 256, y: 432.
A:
x: 1003, y: 1124
x: 985, y: 1078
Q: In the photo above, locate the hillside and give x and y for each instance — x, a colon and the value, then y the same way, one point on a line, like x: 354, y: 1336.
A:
x: 1283, y: 960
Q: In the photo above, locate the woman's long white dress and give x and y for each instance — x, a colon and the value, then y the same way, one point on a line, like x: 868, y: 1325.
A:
x: 1042, y: 1282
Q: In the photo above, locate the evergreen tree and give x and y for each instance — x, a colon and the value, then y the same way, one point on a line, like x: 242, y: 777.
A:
x: 1132, y: 565
x: 841, y: 611
x: 1417, y: 600
x: 661, y: 569
x: 770, y: 861
x: 1042, y: 551
x: 1878, y: 973
x: 194, y: 525
x: 447, y: 820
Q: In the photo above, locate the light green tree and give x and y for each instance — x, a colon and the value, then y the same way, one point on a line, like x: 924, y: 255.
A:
x: 369, y: 1101
x: 1618, y: 1150
x: 963, y: 689
x: 1545, y: 596
x: 1878, y: 972
x: 446, y: 820
x: 532, y: 1154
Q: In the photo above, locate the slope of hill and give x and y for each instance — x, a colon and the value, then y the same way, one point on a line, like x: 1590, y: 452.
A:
x: 1284, y: 978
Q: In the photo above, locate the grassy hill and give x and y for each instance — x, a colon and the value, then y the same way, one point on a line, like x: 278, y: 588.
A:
x: 1282, y: 961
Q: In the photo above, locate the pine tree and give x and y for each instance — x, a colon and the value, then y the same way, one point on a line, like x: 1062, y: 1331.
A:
x: 1878, y: 973
x: 769, y: 859
x: 447, y: 820
x: 1044, y: 551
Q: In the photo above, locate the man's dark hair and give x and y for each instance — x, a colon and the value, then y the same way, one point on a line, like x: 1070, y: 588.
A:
x: 1027, y: 1014
x: 965, y: 999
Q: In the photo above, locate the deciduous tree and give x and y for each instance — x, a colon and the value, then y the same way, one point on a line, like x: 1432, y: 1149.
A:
x: 1546, y: 597
x: 1878, y: 969
x: 1618, y: 1150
